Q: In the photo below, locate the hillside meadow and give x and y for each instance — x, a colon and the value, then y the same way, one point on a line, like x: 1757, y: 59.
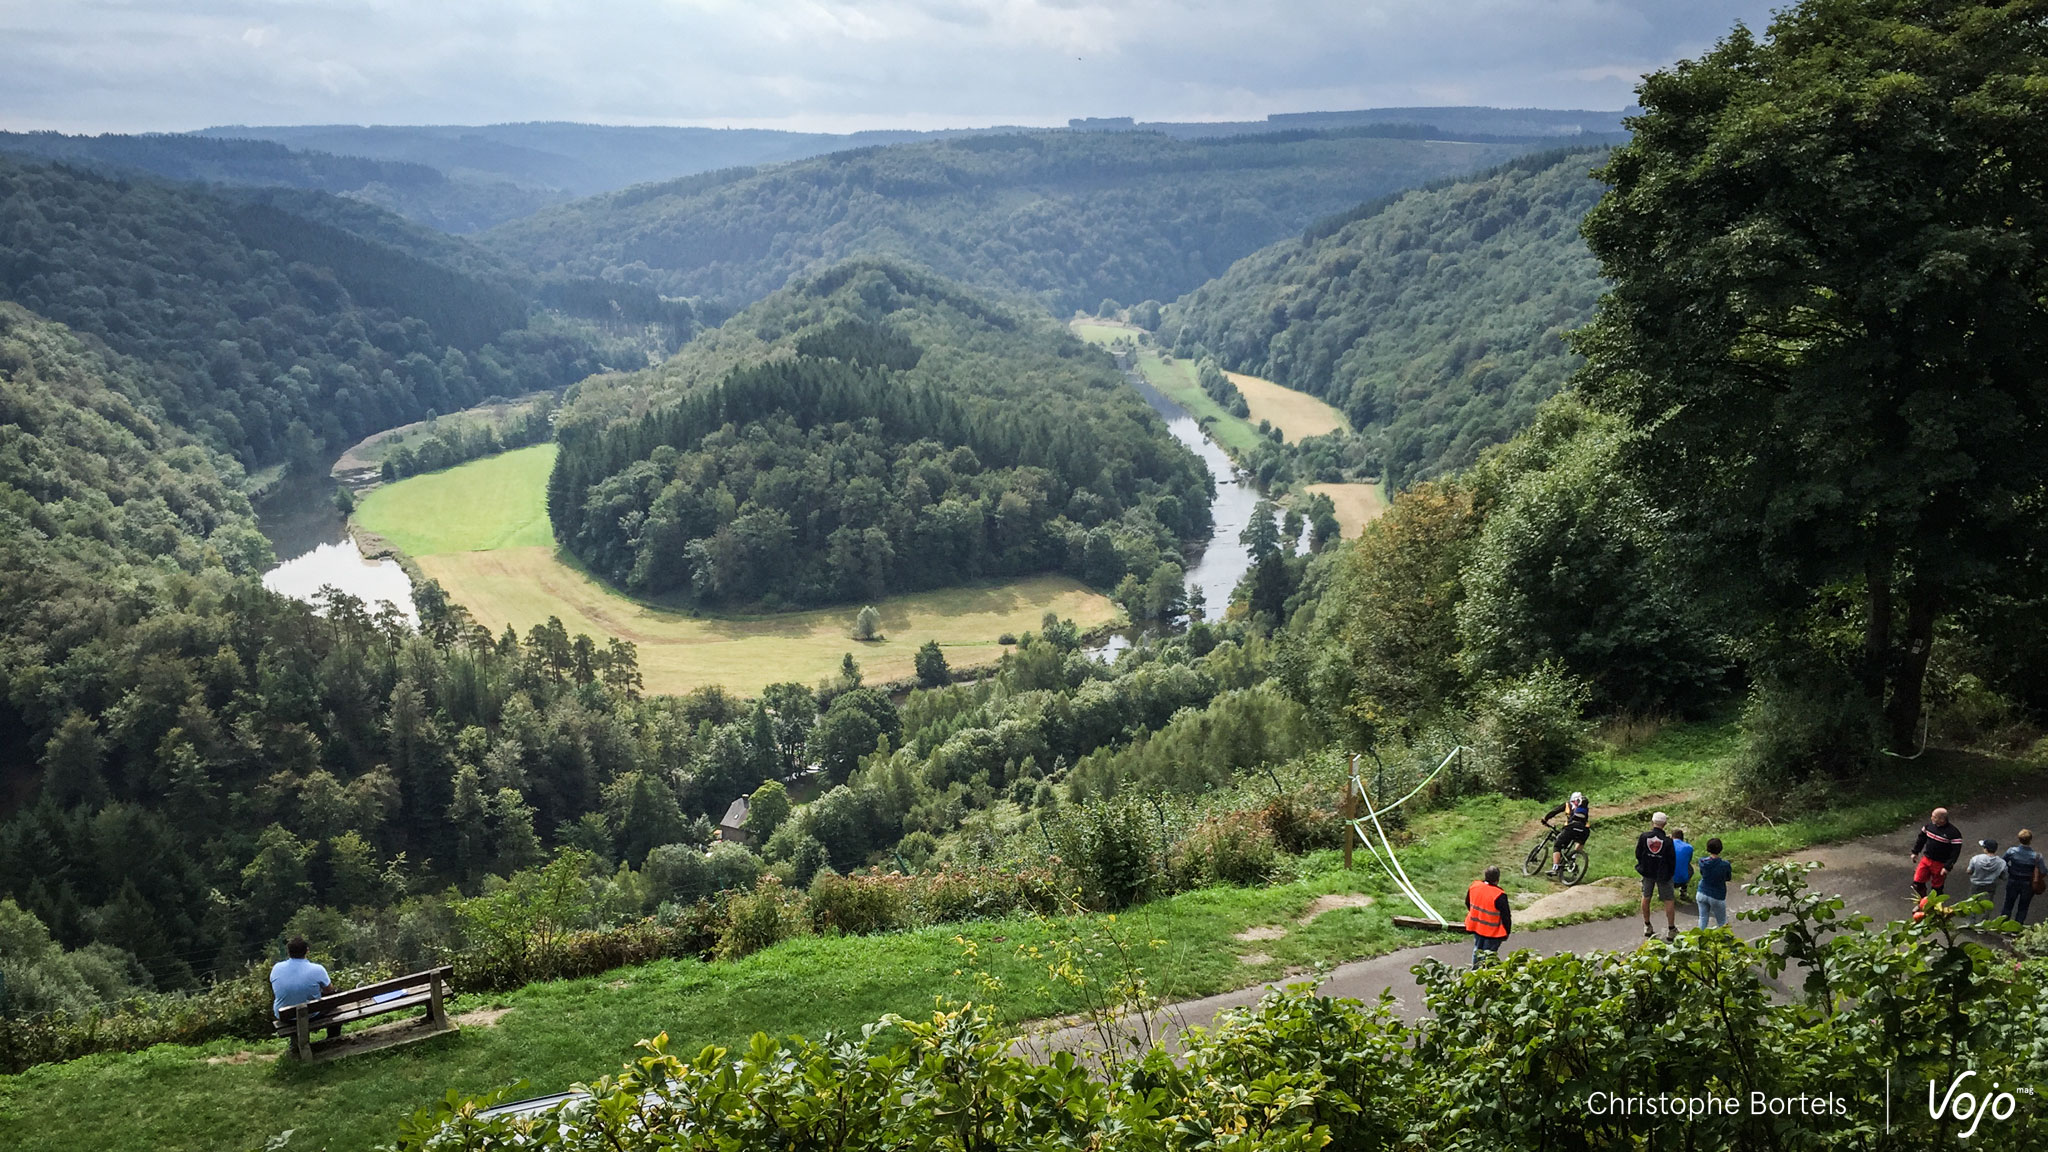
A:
x: 481, y: 531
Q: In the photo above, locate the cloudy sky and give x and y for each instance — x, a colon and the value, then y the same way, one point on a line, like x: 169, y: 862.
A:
x: 836, y: 65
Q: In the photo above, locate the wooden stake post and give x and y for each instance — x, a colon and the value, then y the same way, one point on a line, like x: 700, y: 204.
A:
x: 1350, y: 810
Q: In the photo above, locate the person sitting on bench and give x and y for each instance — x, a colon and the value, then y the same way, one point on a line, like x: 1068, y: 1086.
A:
x: 298, y: 980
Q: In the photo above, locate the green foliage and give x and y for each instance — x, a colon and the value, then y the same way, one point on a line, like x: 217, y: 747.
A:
x: 767, y: 808
x: 1574, y: 565
x: 1112, y: 850
x: 845, y: 472
x: 1842, y: 408
x: 515, y: 931
x: 1222, y: 851
x: 447, y: 442
x: 767, y: 915
x: 930, y: 665
x: 1068, y: 218
x: 1432, y: 318
x: 1530, y: 727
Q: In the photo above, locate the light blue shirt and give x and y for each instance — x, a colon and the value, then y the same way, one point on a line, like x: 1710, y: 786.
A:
x: 295, y: 982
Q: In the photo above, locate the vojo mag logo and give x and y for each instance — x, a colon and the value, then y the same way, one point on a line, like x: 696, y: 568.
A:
x: 1970, y: 1105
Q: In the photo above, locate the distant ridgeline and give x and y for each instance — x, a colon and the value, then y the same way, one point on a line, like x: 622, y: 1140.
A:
x: 270, y: 318
x: 1433, y: 318
x: 1068, y: 218
x: 872, y: 430
x: 416, y: 191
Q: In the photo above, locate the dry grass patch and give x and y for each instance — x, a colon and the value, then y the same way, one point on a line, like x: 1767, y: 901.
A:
x: 524, y: 586
x: 1295, y: 414
x: 1357, y: 504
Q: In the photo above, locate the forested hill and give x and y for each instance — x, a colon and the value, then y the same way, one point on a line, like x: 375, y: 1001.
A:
x: 1070, y: 218
x: 416, y: 191
x: 265, y: 328
x: 1433, y: 318
x: 874, y: 429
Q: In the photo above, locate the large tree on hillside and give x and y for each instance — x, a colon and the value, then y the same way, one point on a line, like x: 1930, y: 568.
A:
x: 1828, y: 317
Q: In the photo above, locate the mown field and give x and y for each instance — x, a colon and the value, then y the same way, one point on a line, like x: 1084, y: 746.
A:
x: 1358, y: 504
x: 481, y: 530
x: 232, y: 1095
x: 496, y: 502
x: 1295, y: 414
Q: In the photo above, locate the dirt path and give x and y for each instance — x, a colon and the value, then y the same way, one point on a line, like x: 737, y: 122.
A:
x: 1870, y: 873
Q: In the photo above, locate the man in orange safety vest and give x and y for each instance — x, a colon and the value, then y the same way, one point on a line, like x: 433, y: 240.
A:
x: 1487, y: 916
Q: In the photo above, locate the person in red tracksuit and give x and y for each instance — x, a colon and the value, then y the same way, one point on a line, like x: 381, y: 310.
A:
x: 1939, y: 846
x: 1487, y: 916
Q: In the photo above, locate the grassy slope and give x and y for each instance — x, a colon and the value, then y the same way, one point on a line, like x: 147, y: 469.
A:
x: 481, y: 530
x: 560, y: 1033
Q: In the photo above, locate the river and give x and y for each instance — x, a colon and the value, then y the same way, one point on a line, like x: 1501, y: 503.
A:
x: 305, y: 529
x: 1223, y: 561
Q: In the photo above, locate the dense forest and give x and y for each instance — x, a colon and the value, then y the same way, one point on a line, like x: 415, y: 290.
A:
x: 873, y: 430
x: 416, y: 191
x: 1433, y: 318
x: 267, y: 330
x: 1068, y: 218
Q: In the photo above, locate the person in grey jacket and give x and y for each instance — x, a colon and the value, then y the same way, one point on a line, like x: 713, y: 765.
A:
x: 1987, y: 868
x: 2022, y: 864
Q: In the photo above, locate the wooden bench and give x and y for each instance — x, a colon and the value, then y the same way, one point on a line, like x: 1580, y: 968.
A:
x: 420, y: 990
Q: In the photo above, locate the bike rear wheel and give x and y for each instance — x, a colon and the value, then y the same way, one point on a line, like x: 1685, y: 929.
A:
x: 1574, y: 869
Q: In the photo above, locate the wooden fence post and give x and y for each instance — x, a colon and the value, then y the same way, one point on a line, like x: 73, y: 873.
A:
x: 1350, y: 811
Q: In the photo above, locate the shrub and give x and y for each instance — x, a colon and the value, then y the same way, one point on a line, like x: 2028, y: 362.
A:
x: 1222, y: 850
x: 955, y: 894
x: 1802, y: 733
x: 1304, y: 820
x: 860, y: 905
x: 755, y: 920
x: 1110, y: 849
x: 1530, y: 727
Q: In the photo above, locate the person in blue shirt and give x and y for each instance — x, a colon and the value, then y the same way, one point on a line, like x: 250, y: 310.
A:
x: 1714, y: 876
x: 1681, y: 873
x: 297, y: 980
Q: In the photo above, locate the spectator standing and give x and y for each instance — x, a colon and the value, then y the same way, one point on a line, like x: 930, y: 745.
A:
x: 1714, y: 876
x: 1939, y: 846
x: 2024, y: 872
x: 1987, y: 868
x: 1656, y: 863
x: 1487, y: 916
x: 1682, y: 871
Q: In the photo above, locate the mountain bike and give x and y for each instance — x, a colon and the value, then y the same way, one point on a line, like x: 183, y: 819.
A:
x: 1570, y: 869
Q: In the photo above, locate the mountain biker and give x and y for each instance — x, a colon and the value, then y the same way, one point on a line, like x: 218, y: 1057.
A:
x: 1578, y: 821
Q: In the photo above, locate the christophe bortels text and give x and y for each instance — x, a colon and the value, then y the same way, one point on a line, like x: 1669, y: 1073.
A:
x: 1694, y: 1107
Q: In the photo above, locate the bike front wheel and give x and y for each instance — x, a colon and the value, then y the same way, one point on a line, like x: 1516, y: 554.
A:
x: 1533, y: 863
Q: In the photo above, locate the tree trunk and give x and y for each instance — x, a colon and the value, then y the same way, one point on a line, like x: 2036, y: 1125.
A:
x: 1877, y: 627
x: 1909, y: 672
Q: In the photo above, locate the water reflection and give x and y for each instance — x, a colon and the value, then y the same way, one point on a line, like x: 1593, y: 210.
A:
x: 340, y: 564
x: 300, y: 520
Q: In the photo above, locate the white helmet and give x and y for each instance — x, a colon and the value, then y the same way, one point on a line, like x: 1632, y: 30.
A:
x: 1578, y: 797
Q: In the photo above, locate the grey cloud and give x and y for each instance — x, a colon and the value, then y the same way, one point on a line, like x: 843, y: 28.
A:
x: 104, y: 65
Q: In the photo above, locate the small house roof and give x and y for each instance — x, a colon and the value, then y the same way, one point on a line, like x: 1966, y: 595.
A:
x: 735, y: 815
